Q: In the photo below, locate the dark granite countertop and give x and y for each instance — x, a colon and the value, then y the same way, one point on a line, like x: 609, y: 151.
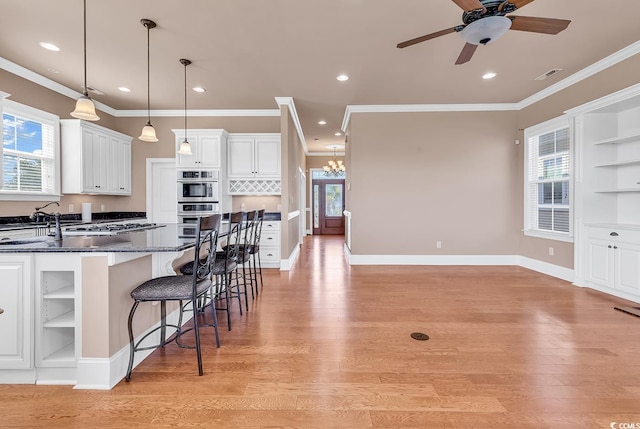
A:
x: 162, y: 239
x: 24, y: 222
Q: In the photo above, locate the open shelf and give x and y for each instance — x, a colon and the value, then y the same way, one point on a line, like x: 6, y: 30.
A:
x: 62, y: 293
x: 66, y: 320
x: 619, y: 163
x: 634, y: 137
x: 63, y: 355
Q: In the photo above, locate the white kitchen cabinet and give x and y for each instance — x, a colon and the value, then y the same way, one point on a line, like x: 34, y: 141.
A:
x: 607, y: 197
x: 207, y: 148
x: 95, y: 160
x: 613, y: 260
x: 270, y: 244
x: 253, y: 164
x: 16, y: 350
x: 254, y: 156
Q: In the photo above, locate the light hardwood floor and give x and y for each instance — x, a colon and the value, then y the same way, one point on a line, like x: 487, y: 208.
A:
x: 327, y: 345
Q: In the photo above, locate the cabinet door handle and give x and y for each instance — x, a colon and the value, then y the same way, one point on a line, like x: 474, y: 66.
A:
x: 614, y: 234
x: 615, y: 247
x: 609, y: 246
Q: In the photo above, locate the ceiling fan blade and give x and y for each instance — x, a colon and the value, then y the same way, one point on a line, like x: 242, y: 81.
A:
x: 427, y: 37
x: 538, y: 25
x: 469, y: 5
x: 466, y: 54
x: 520, y: 3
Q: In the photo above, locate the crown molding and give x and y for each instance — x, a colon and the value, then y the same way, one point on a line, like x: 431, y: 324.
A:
x: 202, y: 112
x: 288, y: 101
x: 49, y: 84
x: 589, y: 71
x: 325, y: 154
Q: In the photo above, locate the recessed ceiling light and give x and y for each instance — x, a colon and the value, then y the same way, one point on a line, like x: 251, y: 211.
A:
x: 199, y: 89
x: 489, y: 75
x: 342, y: 77
x: 335, y: 146
x: 49, y: 46
x: 322, y: 122
x: 123, y: 89
x: 338, y: 134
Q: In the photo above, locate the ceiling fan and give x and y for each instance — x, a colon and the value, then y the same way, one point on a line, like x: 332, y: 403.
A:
x: 484, y: 21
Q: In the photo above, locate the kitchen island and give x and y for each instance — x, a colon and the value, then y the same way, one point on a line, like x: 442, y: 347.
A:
x: 66, y: 303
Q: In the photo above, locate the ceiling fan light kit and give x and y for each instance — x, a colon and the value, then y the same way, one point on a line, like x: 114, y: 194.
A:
x: 485, y: 21
x: 486, y: 30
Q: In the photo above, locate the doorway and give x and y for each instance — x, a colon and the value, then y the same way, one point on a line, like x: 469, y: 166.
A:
x: 328, y: 206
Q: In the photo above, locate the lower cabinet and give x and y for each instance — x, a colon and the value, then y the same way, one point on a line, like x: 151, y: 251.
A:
x: 16, y: 351
x: 613, y: 261
x: 270, y: 244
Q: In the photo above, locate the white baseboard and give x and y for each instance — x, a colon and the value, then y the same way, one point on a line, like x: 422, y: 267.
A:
x: 286, y: 264
x: 522, y: 261
x: 105, y: 373
x: 547, y: 268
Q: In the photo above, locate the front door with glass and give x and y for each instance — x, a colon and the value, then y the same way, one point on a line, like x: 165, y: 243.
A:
x: 328, y: 206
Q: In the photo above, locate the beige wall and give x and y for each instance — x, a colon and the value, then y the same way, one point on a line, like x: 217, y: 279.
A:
x: 418, y: 178
x: 620, y: 76
x: 292, y: 162
x: 31, y: 94
x: 311, y: 163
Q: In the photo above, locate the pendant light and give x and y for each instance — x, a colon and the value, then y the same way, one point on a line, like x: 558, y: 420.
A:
x: 185, y: 146
x: 85, y: 109
x: 148, y: 132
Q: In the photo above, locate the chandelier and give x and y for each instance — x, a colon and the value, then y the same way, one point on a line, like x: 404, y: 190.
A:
x: 335, y: 168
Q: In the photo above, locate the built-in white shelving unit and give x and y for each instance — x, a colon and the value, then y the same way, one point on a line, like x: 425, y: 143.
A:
x: 607, y: 204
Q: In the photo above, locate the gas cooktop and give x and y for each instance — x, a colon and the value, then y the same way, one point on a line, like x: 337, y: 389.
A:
x: 108, y: 229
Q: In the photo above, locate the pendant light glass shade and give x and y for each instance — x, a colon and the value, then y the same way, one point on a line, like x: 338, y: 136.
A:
x: 148, y: 132
x: 85, y: 109
x: 185, y: 146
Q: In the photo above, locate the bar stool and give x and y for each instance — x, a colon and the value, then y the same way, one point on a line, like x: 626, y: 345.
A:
x: 186, y: 288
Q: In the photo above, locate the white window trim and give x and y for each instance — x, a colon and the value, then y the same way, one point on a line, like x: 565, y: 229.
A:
x: 25, y: 111
x: 542, y: 128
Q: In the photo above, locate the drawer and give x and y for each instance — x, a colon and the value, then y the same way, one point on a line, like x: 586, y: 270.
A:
x: 604, y: 233
x: 270, y: 238
x: 269, y: 254
x: 270, y: 225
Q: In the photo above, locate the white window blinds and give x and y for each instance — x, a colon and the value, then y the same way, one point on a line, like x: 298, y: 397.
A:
x: 548, y: 180
x: 29, y: 151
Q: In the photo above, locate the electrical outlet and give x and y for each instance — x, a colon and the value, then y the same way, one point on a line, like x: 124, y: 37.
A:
x: 550, y: 251
x: 101, y: 207
x: 263, y: 207
x: 438, y: 244
x: 279, y: 207
x: 70, y: 208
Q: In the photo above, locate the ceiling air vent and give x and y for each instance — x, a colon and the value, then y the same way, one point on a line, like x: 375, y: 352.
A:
x: 548, y: 74
x: 94, y: 90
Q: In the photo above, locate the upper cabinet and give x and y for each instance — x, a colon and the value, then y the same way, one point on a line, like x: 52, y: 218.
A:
x: 253, y: 164
x: 95, y: 160
x: 206, y: 148
x: 254, y: 155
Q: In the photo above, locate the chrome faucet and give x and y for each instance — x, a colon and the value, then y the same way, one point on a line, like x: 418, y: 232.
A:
x: 56, y: 216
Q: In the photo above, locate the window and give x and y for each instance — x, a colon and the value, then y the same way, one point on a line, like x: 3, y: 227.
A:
x: 30, y: 154
x: 548, y: 182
